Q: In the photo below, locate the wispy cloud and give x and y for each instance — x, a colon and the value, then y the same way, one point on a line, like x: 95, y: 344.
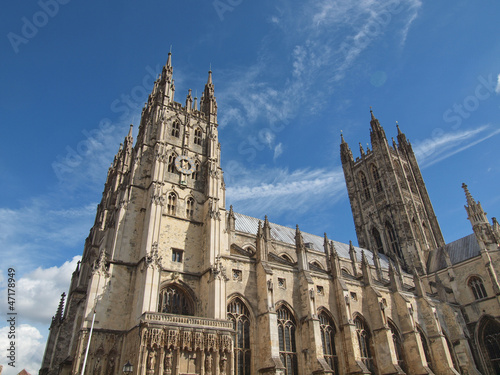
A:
x: 36, y: 233
x: 497, y: 89
x: 325, y: 39
x: 280, y: 191
x: 445, y: 145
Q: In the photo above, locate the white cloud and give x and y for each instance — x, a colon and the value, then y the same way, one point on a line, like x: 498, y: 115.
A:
x: 278, y: 150
x: 278, y: 190
x: 443, y: 145
x: 29, y: 348
x: 497, y: 89
x: 38, y: 292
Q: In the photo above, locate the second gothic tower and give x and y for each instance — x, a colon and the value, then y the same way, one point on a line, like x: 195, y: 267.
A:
x: 392, y: 212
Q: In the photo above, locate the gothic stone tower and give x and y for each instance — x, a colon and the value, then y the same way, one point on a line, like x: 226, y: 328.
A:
x: 159, y: 224
x: 392, y: 212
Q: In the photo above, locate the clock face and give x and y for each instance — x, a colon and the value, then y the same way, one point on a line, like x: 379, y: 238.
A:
x: 184, y: 164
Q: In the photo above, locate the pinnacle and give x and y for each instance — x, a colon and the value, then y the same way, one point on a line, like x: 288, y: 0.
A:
x: 468, y: 195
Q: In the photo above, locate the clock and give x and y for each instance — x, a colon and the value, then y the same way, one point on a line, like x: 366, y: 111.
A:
x: 184, y: 164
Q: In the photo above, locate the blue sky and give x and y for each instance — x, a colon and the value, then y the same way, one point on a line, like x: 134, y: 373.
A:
x: 288, y: 75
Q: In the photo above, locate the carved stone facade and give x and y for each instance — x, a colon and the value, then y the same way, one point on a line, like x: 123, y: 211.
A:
x: 177, y: 284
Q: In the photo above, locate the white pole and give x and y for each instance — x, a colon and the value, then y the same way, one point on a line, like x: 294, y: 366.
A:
x: 88, y: 344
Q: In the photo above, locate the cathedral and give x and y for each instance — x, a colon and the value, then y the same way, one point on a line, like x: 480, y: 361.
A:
x: 173, y: 282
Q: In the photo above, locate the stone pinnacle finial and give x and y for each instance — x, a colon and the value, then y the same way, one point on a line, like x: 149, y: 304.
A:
x: 399, y: 130
x: 130, y: 130
x: 468, y: 195
x: 371, y: 113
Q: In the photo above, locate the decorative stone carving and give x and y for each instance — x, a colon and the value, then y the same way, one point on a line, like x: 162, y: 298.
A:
x: 151, y: 361
x: 211, y: 341
x: 167, y: 363
x: 208, y: 363
x: 223, y: 363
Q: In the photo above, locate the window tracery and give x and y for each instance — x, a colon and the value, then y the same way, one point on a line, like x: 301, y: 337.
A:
x: 238, y: 313
x: 477, y: 287
x: 197, y: 136
x: 171, y: 203
x: 327, y: 328
x: 286, y: 335
x: 376, y: 178
x: 173, y: 300
x: 190, y: 208
x: 364, y: 340
x: 176, y: 128
x: 364, y: 185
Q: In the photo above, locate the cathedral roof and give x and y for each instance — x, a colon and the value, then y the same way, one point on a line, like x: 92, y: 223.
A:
x: 247, y: 224
x: 458, y: 251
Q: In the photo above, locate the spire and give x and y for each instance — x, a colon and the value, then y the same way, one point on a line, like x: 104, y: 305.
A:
x: 401, y: 136
x: 345, y: 151
x: 365, y: 267
x: 394, y: 278
x: 470, y: 200
x: 485, y: 233
x: 377, y: 132
x: 231, y: 222
x: 361, y: 150
x: 189, y: 101
x: 60, y: 308
x: 352, y: 254
x: 267, y: 229
x: 208, y: 103
x: 129, y: 135
x: 209, y: 82
x: 299, y: 241
x: 169, y: 59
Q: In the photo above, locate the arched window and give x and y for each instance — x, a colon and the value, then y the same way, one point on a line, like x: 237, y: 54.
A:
x: 176, y: 128
x: 393, y: 241
x: 378, y: 241
x: 364, y: 185
x: 197, y: 136
x: 238, y: 313
x: 364, y: 340
x: 398, y: 346
x: 171, y: 163
x: 189, y: 208
x: 286, y: 337
x: 489, y: 340
x: 328, y: 341
x: 196, y: 173
x: 171, y: 203
x: 286, y: 257
x: 476, y: 284
x: 425, y: 346
x: 173, y: 300
x: 376, y: 178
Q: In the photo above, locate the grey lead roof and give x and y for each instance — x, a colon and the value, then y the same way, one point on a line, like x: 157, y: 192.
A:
x: 247, y: 224
x: 458, y: 251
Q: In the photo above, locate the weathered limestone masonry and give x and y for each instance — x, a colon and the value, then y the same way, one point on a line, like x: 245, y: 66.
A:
x: 176, y: 284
